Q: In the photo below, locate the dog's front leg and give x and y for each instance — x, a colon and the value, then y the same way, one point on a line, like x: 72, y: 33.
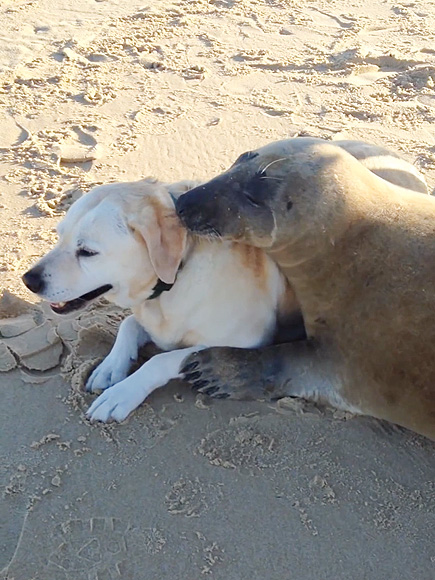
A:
x: 114, y: 368
x: 119, y: 401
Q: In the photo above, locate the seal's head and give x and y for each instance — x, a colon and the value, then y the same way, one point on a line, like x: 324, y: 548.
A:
x: 280, y: 193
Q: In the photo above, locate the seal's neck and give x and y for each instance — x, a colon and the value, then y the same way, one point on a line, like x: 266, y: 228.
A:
x: 325, y: 264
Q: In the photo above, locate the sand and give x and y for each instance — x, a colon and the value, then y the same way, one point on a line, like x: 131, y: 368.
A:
x: 106, y: 90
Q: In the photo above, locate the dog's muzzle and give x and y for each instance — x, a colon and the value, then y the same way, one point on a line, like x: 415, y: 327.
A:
x: 35, y: 282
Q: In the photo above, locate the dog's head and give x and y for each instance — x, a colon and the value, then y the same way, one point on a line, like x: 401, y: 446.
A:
x: 117, y: 240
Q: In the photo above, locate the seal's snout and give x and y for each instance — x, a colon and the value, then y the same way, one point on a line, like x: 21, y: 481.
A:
x: 189, y: 202
x: 33, y: 280
x: 194, y: 211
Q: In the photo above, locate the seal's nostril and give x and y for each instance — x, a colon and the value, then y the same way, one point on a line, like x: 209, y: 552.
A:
x: 180, y: 207
x: 33, y: 280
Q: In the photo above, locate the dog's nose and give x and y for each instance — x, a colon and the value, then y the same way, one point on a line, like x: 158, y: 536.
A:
x: 33, y: 280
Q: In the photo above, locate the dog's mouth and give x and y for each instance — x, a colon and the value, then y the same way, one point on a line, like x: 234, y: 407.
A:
x: 80, y: 302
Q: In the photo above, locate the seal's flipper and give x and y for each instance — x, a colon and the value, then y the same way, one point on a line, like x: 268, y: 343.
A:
x: 295, y: 369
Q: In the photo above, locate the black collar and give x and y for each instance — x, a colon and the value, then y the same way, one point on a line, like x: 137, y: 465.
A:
x: 159, y: 288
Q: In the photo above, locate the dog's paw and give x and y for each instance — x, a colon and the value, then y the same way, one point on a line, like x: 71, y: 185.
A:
x: 108, y: 373
x: 116, y: 403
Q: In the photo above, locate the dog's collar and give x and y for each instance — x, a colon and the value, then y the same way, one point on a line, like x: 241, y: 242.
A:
x: 159, y: 288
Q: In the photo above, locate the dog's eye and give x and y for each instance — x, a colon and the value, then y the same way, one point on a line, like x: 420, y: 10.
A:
x: 85, y: 253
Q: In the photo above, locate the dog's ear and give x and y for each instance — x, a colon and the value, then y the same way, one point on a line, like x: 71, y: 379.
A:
x: 164, y: 236
x: 179, y: 187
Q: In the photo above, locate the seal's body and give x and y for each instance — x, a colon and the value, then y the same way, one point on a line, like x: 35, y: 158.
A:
x: 360, y: 255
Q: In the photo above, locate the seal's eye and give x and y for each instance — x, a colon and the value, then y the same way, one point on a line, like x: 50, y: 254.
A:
x: 252, y: 201
x: 245, y: 157
x: 255, y: 190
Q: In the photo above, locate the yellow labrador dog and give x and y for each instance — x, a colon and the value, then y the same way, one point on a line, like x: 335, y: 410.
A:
x: 124, y: 241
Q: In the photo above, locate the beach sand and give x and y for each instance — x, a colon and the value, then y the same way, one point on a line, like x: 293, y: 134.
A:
x: 110, y: 90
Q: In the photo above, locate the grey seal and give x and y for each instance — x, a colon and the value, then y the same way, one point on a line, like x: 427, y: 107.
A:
x: 359, y: 252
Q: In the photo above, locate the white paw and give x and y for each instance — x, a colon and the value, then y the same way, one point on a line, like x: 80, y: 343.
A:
x: 107, y: 374
x: 116, y: 403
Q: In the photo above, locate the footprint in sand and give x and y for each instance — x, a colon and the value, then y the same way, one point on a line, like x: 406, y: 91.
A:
x: 99, y: 548
x: 247, y: 442
x: 191, y: 498
x: 79, y: 147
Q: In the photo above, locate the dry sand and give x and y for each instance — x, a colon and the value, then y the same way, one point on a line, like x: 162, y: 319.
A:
x: 96, y: 91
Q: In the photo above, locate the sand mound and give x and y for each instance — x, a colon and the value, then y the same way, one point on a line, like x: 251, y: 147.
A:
x: 35, y: 339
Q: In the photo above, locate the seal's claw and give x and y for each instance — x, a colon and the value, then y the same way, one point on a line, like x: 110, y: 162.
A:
x: 221, y: 395
x: 223, y: 373
x: 192, y: 377
x: 210, y: 391
x: 197, y: 385
x: 190, y: 366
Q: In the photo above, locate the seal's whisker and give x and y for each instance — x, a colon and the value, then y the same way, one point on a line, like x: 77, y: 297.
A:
x: 272, y: 162
x: 212, y: 235
x: 216, y: 234
x: 273, y: 178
